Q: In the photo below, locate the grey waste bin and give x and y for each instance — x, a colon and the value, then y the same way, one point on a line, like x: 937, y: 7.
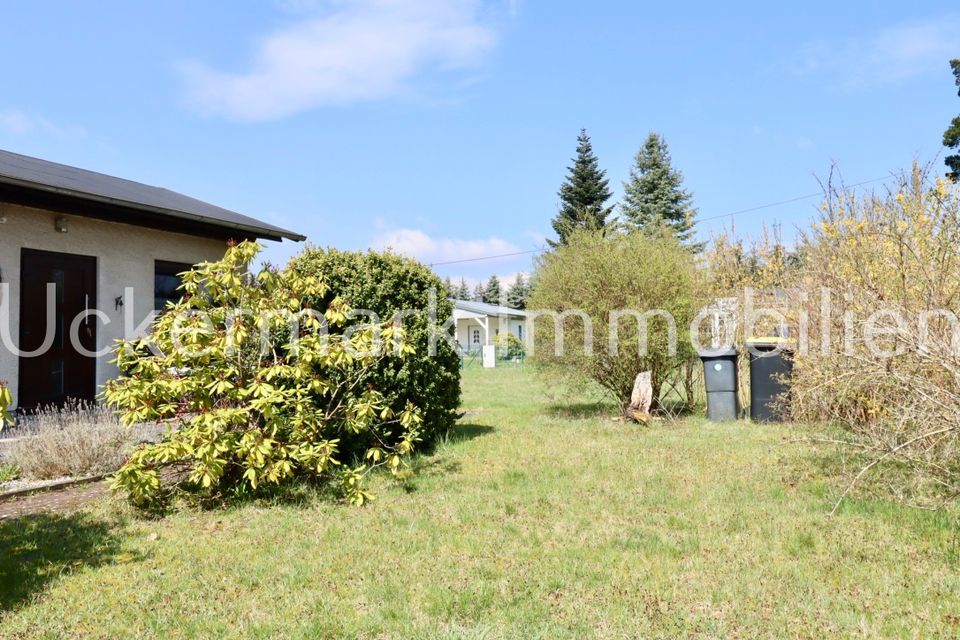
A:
x: 720, y: 380
x: 771, y: 363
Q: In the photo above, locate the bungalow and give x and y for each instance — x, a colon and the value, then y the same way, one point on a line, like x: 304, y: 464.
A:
x: 92, y: 256
x: 478, y: 323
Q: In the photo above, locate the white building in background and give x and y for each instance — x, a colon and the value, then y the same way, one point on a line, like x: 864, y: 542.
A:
x: 478, y: 323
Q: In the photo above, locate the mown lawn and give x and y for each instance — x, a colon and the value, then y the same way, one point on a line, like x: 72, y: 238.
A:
x: 536, y: 519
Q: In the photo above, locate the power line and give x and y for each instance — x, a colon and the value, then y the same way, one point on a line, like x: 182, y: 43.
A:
x: 777, y: 204
x: 502, y: 255
x: 722, y: 215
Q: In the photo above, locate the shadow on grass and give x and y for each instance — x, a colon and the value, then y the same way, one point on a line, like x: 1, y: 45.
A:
x: 678, y: 409
x: 466, y: 432
x: 458, y: 433
x: 582, y: 410
x: 304, y: 492
x: 605, y: 409
x: 37, y: 549
x: 432, y: 461
x: 428, y: 467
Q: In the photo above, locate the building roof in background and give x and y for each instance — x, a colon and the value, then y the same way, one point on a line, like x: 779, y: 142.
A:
x: 485, y: 309
x: 41, y: 175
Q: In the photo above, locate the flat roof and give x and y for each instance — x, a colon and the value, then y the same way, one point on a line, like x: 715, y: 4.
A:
x: 51, y: 177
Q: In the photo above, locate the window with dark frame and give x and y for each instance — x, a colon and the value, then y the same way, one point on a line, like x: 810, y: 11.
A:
x: 166, y: 282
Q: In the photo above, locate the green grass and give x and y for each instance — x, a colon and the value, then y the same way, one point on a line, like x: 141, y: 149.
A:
x: 534, y: 519
x: 8, y: 472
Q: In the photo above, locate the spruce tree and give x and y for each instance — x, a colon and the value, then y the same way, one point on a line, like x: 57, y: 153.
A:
x: 491, y: 295
x: 951, y: 137
x: 518, y: 292
x: 463, y: 291
x: 583, y: 194
x: 448, y: 284
x: 478, y: 292
x: 654, y: 196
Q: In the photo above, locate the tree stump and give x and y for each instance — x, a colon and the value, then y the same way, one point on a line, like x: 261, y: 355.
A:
x: 641, y: 398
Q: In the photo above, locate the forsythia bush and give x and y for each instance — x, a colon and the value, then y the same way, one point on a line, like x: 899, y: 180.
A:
x: 258, y: 387
x: 883, y: 359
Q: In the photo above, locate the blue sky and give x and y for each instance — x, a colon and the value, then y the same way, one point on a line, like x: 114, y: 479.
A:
x: 443, y: 129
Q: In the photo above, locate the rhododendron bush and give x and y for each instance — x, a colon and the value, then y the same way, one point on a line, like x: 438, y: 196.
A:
x: 257, y: 388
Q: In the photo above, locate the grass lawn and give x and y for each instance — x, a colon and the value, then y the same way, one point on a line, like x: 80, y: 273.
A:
x: 534, y: 520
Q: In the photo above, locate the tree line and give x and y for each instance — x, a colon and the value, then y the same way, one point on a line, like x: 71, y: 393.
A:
x: 493, y: 292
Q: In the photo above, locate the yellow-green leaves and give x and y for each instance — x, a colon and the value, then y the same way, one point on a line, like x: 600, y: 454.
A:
x: 256, y: 388
x: 6, y: 401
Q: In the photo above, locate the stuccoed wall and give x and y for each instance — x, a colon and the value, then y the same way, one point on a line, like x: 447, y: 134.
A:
x: 125, y: 258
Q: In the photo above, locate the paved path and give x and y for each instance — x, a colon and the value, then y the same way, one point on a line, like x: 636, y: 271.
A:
x: 54, y: 500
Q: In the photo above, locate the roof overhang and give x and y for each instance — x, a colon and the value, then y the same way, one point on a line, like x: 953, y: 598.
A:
x: 460, y: 314
x: 193, y: 223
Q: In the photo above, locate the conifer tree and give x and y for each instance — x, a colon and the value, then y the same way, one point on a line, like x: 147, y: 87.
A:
x: 478, y: 292
x: 491, y: 294
x: 951, y: 137
x: 518, y: 292
x: 463, y: 291
x: 654, y: 196
x: 583, y: 194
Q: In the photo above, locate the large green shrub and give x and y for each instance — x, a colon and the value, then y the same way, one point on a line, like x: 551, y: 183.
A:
x: 387, y: 284
x: 253, y: 398
x: 614, y: 284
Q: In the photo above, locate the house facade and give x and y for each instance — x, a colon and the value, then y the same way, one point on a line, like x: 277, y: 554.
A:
x: 85, y: 260
x: 478, y: 323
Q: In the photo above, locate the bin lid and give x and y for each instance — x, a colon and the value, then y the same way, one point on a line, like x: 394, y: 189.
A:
x: 722, y: 352
x: 771, y: 342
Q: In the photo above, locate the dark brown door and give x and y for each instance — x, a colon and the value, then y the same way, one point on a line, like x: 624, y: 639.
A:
x: 50, y: 376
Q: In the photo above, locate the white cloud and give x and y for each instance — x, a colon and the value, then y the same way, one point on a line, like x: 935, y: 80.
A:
x: 20, y: 123
x: 889, y: 55
x: 354, y: 51
x: 426, y: 248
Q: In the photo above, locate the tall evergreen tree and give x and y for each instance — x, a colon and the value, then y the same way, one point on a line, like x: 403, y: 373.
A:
x: 583, y: 194
x: 951, y: 137
x: 518, y: 292
x: 463, y: 291
x: 491, y: 295
x: 654, y: 195
x: 449, y: 286
x: 478, y: 292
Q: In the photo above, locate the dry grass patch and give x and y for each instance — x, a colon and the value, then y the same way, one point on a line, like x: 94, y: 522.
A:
x: 76, y: 440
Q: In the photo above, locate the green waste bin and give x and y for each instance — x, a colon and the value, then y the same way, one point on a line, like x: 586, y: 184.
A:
x: 720, y: 381
x: 771, y: 363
